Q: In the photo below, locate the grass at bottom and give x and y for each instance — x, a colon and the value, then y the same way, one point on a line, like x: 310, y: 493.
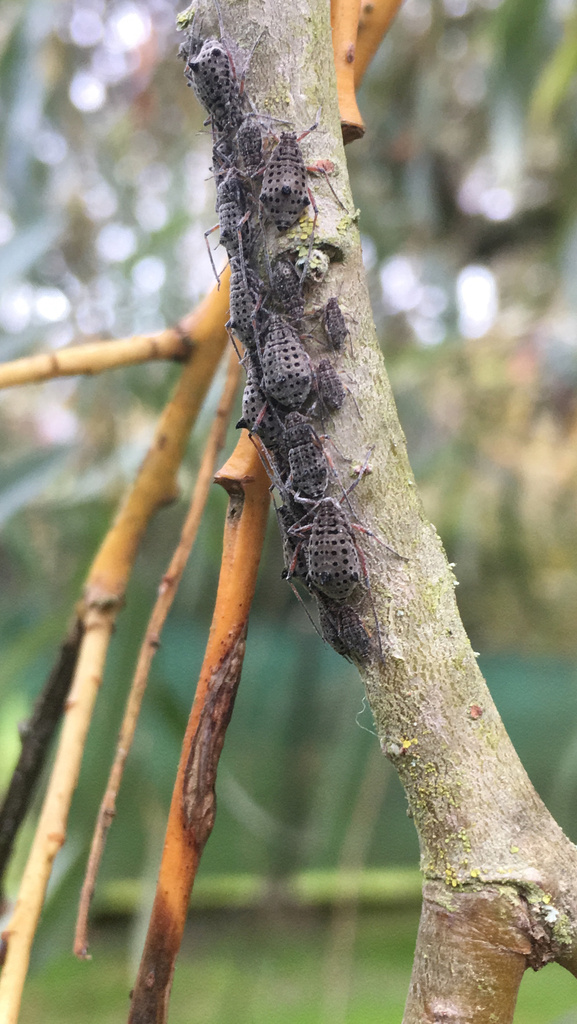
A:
x: 274, y: 967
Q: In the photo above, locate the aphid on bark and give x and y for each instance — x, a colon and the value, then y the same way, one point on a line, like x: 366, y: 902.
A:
x: 335, y: 564
x: 233, y: 219
x: 287, y: 289
x: 286, y: 368
x: 285, y: 193
x: 334, y: 324
x: 329, y: 386
x: 211, y: 73
x: 293, y: 551
x: 308, y: 464
x: 342, y: 628
x: 245, y: 291
x: 259, y: 415
x: 248, y: 146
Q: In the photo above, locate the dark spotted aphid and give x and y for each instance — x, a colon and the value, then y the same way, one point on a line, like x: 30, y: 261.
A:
x: 293, y: 551
x: 248, y: 147
x: 287, y: 290
x: 286, y: 369
x: 308, y: 466
x: 334, y: 324
x: 334, y: 564
x: 245, y: 288
x: 233, y: 214
x: 259, y: 416
x: 342, y: 628
x: 330, y: 388
x: 284, y: 193
x: 211, y: 74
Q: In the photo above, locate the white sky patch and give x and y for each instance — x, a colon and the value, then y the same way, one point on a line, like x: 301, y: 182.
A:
x: 497, y: 204
x: 149, y: 275
x: 128, y: 28
x: 6, y: 227
x: 85, y: 27
x: 116, y: 243
x: 86, y: 92
x: 50, y: 147
x: 51, y: 304
x: 477, y: 301
x: 151, y: 213
x: 400, y: 285
x: 16, y: 308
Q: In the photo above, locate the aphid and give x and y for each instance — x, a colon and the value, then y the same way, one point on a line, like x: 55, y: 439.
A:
x: 210, y: 72
x: 233, y: 215
x: 308, y: 465
x: 335, y: 564
x: 286, y: 369
x: 259, y: 416
x: 293, y: 551
x: 248, y: 146
x: 334, y: 324
x: 342, y: 628
x: 287, y: 290
x: 284, y: 193
x: 233, y: 218
x: 245, y: 288
x: 329, y: 386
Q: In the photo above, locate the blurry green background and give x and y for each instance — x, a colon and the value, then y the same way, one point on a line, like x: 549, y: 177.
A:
x: 466, y: 185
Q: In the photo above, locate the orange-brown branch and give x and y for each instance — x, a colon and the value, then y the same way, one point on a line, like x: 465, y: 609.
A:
x: 344, y: 24
x: 358, y: 27
x: 192, y: 809
x: 376, y: 18
x: 156, y: 484
x: 166, y: 595
x: 96, y: 357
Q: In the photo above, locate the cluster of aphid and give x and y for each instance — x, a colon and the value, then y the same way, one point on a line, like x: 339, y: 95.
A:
x: 256, y: 182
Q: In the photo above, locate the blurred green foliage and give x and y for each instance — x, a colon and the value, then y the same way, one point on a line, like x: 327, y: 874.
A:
x: 465, y: 181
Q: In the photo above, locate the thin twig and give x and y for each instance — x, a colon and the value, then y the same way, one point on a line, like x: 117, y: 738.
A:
x: 166, y: 594
x: 192, y: 810
x: 36, y: 736
x: 104, y: 592
x: 96, y: 357
x: 51, y: 829
x: 375, y: 20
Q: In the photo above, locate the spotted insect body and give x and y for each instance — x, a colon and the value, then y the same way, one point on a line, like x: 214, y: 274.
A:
x: 245, y: 286
x: 329, y: 386
x: 293, y: 552
x: 306, y: 459
x: 334, y: 324
x: 248, y: 146
x: 284, y: 193
x: 258, y: 415
x: 342, y: 628
x: 287, y: 289
x: 210, y: 72
x: 233, y: 214
x: 286, y: 370
x: 334, y: 565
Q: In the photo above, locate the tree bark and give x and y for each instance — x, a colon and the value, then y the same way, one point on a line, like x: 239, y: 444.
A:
x: 499, y: 874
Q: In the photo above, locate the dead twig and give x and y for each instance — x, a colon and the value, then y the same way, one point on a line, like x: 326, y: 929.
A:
x: 192, y: 810
x: 36, y: 735
x: 104, y: 592
x: 96, y: 357
x: 166, y: 594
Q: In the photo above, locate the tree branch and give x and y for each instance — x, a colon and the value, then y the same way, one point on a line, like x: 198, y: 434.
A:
x: 36, y: 737
x: 155, y: 485
x: 192, y: 809
x: 166, y: 594
x: 96, y: 357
